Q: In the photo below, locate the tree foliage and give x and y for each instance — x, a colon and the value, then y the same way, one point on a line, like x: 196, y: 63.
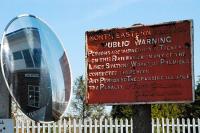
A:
x: 78, y: 106
x: 122, y: 111
x: 192, y: 110
x: 171, y: 110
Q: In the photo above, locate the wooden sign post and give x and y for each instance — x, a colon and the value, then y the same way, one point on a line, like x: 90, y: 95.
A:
x: 142, y: 119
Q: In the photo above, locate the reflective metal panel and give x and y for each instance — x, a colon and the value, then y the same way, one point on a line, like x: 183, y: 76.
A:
x: 35, y: 68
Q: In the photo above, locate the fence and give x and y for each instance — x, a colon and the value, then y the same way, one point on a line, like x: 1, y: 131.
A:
x: 176, y: 126
x: 107, y: 126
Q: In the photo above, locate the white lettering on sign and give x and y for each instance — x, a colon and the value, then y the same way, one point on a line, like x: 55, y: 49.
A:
x: 160, y: 40
x: 123, y: 35
x: 117, y: 44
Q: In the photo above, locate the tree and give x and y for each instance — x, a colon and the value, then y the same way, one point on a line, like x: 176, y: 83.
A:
x: 192, y: 110
x: 170, y: 110
x: 122, y: 111
x: 78, y: 106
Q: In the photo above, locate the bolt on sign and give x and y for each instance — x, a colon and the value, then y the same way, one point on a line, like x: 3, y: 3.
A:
x: 140, y: 64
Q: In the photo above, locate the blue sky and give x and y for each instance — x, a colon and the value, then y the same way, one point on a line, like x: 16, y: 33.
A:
x: 70, y: 19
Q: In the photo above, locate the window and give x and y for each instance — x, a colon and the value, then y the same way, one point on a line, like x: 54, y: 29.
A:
x: 17, y: 55
x: 37, y: 57
x: 27, y: 58
x: 33, y: 96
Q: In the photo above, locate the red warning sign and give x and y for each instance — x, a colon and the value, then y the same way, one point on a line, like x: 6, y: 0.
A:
x: 140, y: 64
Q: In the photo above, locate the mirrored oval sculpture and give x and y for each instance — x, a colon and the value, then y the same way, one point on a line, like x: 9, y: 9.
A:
x: 35, y: 68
